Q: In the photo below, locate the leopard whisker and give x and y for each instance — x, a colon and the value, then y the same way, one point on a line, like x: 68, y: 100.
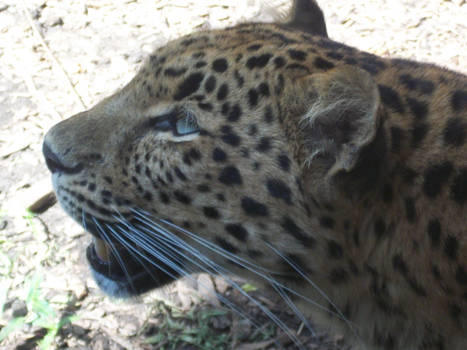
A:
x: 319, y: 290
x: 182, y: 272
x: 283, y: 294
x: 203, y: 242
x: 114, y: 250
x: 213, y: 269
x: 264, y: 276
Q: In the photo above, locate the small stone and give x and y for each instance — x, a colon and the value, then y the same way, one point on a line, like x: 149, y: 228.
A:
x: 53, y: 22
x: 19, y: 308
x: 220, y: 323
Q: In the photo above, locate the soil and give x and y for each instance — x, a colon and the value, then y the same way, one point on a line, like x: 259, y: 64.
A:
x: 59, y: 57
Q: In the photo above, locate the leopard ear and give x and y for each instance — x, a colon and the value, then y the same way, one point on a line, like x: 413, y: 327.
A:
x: 342, y: 131
x: 307, y: 16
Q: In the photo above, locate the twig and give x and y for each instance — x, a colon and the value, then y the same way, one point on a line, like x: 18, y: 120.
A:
x: 51, y: 56
x: 43, y: 203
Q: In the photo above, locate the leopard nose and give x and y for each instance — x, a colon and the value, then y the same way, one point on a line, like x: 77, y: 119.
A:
x: 55, y: 164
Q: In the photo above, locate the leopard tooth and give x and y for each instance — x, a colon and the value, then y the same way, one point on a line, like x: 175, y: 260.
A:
x: 102, y: 249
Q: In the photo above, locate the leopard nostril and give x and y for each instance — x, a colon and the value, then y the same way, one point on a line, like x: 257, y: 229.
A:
x: 55, y: 164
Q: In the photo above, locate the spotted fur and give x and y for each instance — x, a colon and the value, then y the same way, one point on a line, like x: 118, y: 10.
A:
x: 309, y: 160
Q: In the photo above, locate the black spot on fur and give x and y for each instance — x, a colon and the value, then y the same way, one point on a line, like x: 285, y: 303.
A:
x: 253, y: 208
x: 220, y: 65
x: 350, y: 60
x: 459, y: 187
x: 222, y: 92
x: 279, y: 88
x: 252, y: 130
x: 226, y: 245
x: 268, y: 115
x: 399, y: 264
x: 418, y: 134
x: 225, y: 108
x: 200, y: 64
x: 189, y: 86
x: 419, y: 109
x: 455, y: 312
x: 380, y: 227
x: 459, y: 100
x: 164, y: 197
x: 210, y: 84
x: 338, y: 276
x: 455, y: 132
x: 235, y: 113
x: 335, y: 250
x: 211, y: 212
x: 182, y: 197
x: 284, y: 162
x: 194, y: 154
x: 203, y: 188
x: 279, y: 62
x: 264, y: 144
x: 180, y: 174
x: 252, y: 97
x: 335, y: 55
x: 372, y: 64
x: 410, y: 211
x: 391, y: 98
x: 388, y: 194
x: 230, y: 176
x: 238, y: 231
x: 327, y: 222
x: 258, y: 61
x: 230, y: 137
x: 188, y: 42
x: 263, y: 89
x: 434, y: 232
x: 396, y: 138
x: 300, y: 67
x: 451, y: 247
x: 384, y: 341
x: 321, y: 63
x: 461, y: 276
x: 219, y: 155
x: 240, y: 80
x: 205, y: 106
x: 254, y: 47
x: 174, y: 72
x: 278, y: 189
x: 408, y: 175
x: 297, y: 55
x: 292, y: 228
x: 435, y: 177
x: 425, y: 87
x: 254, y: 254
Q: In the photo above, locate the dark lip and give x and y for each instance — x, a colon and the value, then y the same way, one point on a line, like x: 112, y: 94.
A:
x: 136, y: 277
x: 112, y: 269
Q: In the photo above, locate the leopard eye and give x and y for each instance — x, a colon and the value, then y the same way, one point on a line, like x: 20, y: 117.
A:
x: 186, y: 124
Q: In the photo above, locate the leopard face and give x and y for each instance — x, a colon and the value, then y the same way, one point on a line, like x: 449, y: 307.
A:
x: 277, y: 154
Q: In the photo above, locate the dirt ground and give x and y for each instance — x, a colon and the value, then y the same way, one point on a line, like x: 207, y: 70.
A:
x: 59, y: 57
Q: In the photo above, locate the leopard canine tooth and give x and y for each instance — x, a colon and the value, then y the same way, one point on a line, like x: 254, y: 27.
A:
x: 102, y: 249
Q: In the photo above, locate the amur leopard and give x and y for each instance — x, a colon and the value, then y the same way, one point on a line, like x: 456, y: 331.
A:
x: 270, y: 151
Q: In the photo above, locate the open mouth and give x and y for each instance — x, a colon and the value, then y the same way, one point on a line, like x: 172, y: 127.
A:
x: 115, y: 268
